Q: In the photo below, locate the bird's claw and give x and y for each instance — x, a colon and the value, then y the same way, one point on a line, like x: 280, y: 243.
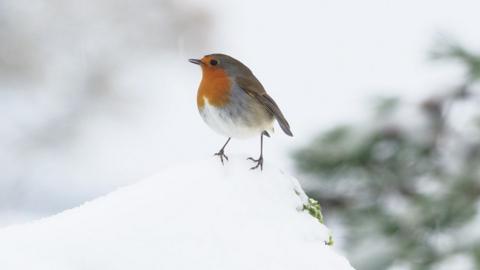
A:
x: 222, y: 155
x: 259, y: 162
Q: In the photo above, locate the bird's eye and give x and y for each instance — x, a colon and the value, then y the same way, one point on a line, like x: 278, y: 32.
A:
x: 213, y: 62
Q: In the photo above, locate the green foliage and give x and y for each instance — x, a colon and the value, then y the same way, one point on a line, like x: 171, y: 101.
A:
x: 447, y: 49
x: 411, y: 184
x: 385, y: 106
x: 315, y: 210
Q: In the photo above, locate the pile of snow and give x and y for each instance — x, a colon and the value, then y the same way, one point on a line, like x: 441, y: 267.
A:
x: 199, y: 215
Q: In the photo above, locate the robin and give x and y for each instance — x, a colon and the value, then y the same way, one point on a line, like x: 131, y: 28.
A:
x: 233, y: 102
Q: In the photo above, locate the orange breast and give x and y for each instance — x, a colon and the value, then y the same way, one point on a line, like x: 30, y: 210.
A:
x: 215, y: 86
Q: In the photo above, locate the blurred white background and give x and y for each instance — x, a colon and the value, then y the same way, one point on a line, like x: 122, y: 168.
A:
x: 99, y: 94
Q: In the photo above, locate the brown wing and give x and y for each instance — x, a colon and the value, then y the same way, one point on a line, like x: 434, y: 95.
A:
x: 255, y: 89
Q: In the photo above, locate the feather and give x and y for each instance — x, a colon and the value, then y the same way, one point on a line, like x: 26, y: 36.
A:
x: 254, y: 88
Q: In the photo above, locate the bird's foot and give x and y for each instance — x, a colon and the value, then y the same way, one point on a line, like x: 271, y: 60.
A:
x: 222, y: 155
x: 259, y: 162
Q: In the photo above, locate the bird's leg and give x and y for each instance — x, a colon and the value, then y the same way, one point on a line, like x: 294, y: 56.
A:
x: 221, y: 153
x: 259, y: 161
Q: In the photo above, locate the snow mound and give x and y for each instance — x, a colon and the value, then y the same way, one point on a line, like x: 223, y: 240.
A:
x: 200, y: 215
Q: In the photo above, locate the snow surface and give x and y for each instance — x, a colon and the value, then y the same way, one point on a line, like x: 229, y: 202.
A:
x: 200, y: 215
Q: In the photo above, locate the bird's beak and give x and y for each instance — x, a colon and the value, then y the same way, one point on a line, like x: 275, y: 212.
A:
x: 195, y: 61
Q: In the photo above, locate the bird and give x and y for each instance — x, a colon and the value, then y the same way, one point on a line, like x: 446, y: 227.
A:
x: 233, y: 102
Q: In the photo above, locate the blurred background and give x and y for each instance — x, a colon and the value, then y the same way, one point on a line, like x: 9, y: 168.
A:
x: 382, y: 96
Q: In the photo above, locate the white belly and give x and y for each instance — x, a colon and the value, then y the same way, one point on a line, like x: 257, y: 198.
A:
x: 222, y: 121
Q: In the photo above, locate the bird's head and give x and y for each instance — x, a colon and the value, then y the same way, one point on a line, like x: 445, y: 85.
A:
x: 220, y: 62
